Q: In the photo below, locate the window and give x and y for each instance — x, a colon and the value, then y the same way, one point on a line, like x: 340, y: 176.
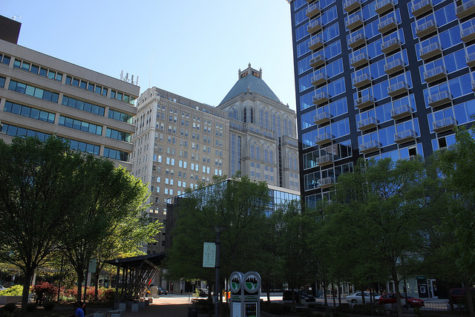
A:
x: 115, y: 154
x: 80, y: 125
x: 82, y: 105
x: 29, y: 112
x: 118, y: 135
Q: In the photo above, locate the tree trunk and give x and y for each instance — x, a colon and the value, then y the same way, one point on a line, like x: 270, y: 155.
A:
x: 339, y: 293
x: 398, y: 295
x: 80, y: 280
x: 96, y: 286
x: 468, y: 298
x: 325, y: 293
x: 362, y: 297
x: 333, y: 295
x: 268, y: 293
x: 26, y: 288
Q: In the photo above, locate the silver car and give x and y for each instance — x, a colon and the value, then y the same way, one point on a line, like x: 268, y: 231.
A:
x: 355, y: 298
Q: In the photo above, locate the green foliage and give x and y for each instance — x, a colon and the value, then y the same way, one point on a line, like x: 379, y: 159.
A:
x: 237, y: 208
x: 14, y: 290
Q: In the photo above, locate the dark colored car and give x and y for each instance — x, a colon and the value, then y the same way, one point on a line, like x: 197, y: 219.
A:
x: 299, y: 296
x: 457, y: 296
x: 202, y: 292
x: 162, y: 291
x: 391, y: 299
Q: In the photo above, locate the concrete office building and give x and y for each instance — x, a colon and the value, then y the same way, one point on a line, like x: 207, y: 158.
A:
x: 377, y: 79
x: 41, y: 95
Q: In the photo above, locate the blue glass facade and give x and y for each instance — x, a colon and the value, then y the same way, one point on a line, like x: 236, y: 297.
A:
x: 377, y: 79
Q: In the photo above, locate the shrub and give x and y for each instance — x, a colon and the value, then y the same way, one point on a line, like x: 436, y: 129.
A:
x: 108, y: 295
x: 15, y: 290
x: 10, y: 307
x: 44, y: 292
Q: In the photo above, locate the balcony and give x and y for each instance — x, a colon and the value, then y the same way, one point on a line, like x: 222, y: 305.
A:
x: 427, y: 28
x: 398, y: 88
x: 354, y: 22
x: 430, y: 51
x: 324, y: 160
x: 388, y: 25
x: 466, y: 10
x: 405, y: 136
x: 314, y: 26
x: 401, y: 112
x: 357, y: 40
x: 471, y: 60
x: 444, y: 124
x: 327, y: 182
x: 367, y: 123
x: 351, y: 5
x: 315, y: 43
x: 468, y: 33
x: 317, y: 61
x: 324, y: 138
x: 364, y: 102
x: 390, y: 45
x: 313, y: 10
x: 370, y: 146
x: 323, y: 117
x: 320, y: 98
x: 439, y: 98
x: 383, y: 6
x: 319, y: 79
x: 394, y: 66
x: 361, y: 80
x: 435, y: 74
x: 420, y: 7
x: 359, y: 60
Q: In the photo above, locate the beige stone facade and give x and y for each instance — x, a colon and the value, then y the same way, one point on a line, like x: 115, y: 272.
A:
x: 263, y: 140
x: 179, y: 143
x: 42, y: 95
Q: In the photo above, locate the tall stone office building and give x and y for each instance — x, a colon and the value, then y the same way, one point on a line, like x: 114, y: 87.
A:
x: 41, y: 95
x: 262, y: 133
x: 377, y: 79
x: 180, y: 143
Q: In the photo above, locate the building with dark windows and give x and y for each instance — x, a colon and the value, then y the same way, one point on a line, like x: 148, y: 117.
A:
x: 377, y: 79
x: 41, y: 95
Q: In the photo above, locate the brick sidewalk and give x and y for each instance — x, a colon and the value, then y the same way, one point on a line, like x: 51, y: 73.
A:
x: 180, y: 310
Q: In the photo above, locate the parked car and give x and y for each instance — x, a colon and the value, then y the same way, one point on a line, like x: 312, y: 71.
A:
x: 355, y: 298
x: 391, y: 299
x: 202, y: 292
x: 457, y: 296
x: 162, y: 291
x: 301, y: 296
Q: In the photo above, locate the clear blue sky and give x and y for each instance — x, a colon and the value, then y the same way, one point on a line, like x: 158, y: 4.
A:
x: 191, y: 47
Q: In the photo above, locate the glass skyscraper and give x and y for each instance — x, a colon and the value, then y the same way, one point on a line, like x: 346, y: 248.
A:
x: 377, y: 79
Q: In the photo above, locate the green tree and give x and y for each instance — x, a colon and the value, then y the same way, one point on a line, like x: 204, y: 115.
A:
x: 237, y: 207
x: 105, y: 196
x: 380, y: 207
x: 453, y: 243
x: 129, y: 236
x: 35, y: 196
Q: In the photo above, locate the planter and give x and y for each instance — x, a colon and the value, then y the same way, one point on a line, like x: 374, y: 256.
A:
x: 9, y: 299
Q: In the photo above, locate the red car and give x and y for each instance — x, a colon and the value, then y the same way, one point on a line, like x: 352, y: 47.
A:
x: 391, y: 299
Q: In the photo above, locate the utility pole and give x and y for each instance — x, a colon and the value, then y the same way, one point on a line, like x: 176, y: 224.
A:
x: 216, y: 285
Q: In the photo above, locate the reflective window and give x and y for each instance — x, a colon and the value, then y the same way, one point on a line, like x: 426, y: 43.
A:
x: 29, y: 112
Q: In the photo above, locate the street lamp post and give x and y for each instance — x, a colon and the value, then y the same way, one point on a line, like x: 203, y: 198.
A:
x: 216, y: 285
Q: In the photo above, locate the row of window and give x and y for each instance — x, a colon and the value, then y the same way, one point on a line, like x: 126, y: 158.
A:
x: 99, y: 89
x: 33, y: 91
x: 4, y: 59
x: 37, y: 70
x: 29, y: 112
x: 80, y: 125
